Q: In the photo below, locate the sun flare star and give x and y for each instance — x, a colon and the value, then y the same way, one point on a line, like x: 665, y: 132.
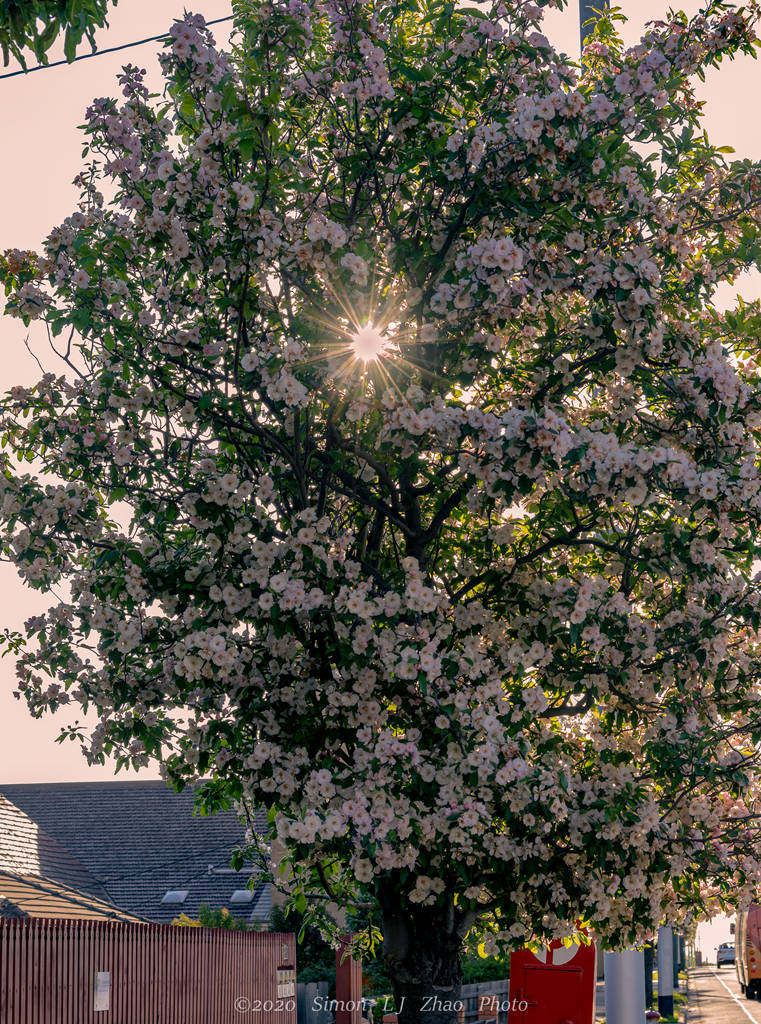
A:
x: 368, y: 343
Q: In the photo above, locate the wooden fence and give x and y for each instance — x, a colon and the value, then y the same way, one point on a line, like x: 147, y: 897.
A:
x: 113, y: 972
x: 486, y: 1000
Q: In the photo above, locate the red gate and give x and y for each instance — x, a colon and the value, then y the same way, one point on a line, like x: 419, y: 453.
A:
x: 556, y: 986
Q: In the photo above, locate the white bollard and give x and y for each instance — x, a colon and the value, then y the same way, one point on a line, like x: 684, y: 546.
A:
x: 625, y: 987
x: 665, y: 971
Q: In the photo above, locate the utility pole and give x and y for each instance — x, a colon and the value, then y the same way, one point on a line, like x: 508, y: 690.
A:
x: 590, y: 9
x: 665, y: 971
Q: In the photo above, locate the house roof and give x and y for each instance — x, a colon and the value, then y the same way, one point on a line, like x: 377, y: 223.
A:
x: 141, y: 840
x: 26, y: 849
x: 43, y: 897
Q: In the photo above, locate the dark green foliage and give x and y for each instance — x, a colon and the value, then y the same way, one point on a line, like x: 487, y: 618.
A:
x: 31, y: 25
x: 209, y: 917
x: 316, y: 960
x: 479, y: 968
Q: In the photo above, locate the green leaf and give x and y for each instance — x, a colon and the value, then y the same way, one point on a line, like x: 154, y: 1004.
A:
x: 70, y: 44
x: 422, y: 74
x: 135, y: 557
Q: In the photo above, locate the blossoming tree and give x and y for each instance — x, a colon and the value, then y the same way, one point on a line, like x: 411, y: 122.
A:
x: 404, y: 479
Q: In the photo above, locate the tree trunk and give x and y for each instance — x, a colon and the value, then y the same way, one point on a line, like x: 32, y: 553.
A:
x: 421, y: 951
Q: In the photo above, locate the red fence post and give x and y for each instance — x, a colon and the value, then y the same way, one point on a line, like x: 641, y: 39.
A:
x: 348, y: 985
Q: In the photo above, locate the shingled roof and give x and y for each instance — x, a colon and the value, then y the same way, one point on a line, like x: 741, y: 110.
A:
x: 141, y: 840
x: 26, y: 849
x: 32, y: 896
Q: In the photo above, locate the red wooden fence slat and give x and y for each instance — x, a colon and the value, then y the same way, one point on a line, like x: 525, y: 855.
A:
x: 45, y: 973
x: 34, y: 960
x: 74, y: 940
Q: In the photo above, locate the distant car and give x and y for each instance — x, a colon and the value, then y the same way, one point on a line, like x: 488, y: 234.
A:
x: 725, y: 954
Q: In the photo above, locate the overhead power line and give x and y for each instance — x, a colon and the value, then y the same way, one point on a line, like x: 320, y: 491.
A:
x: 99, y: 53
x: 182, y: 859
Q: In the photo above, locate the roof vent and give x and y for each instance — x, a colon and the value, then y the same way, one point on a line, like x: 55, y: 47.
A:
x: 175, y: 896
x: 242, y: 896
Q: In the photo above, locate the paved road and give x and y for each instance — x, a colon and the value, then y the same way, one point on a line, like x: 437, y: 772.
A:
x: 715, y: 998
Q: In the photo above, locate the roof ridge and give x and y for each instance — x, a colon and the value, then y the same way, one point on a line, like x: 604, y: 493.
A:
x: 86, y: 782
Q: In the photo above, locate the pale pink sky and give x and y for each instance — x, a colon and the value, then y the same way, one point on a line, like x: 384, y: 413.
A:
x: 38, y: 118
x: 39, y: 114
